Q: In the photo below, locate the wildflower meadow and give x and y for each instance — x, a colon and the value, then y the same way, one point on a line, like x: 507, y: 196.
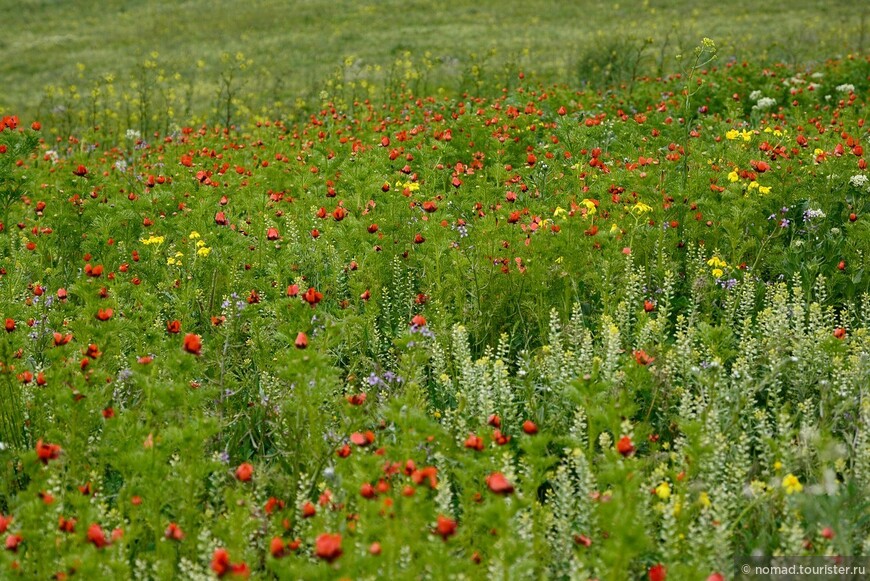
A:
x: 612, y: 325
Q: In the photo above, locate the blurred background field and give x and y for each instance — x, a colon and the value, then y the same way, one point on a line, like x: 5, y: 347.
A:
x: 279, y: 59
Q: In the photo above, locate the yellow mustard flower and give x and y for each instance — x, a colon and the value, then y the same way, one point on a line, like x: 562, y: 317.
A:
x: 663, y: 491
x: 791, y: 484
x: 152, y: 240
x: 641, y: 208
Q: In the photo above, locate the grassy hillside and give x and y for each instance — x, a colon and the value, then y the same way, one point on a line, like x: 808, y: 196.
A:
x: 294, y: 46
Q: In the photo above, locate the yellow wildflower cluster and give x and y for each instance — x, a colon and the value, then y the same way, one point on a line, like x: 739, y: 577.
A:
x: 410, y: 186
x: 735, y: 134
x: 175, y: 260
x: 761, y: 189
x: 152, y: 240
x: 718, y: 264
x: 590, y: 206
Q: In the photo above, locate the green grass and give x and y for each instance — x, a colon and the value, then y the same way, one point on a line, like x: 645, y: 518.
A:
x: 294, y: 46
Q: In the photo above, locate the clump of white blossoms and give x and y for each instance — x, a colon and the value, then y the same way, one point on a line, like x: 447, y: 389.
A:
x: 764, y: 103
x: 846, y: 88
x: 859, y: 180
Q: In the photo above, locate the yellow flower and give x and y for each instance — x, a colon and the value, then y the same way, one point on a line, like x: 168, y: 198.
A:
x: 717, y: 262
x: 410, y: 186
x: 203, y: 251
x: 559, y: 212
x: 614, y: 229
x: 704, y: 499
x: 718, y: 272
x: 194, y: 235
x: 791, y: 484
x: 663, y: 491
x: 152, y: 240
x: 763, y: 189
x: 777, y: 465
x: 733, y: 177
x: 753, y: 184
x: 641, y: 208
x: 590, y: 206
x: 746, y: 135
x: 733, y: 134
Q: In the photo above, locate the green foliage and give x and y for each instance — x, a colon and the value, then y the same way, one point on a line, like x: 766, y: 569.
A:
x: 529, y: 331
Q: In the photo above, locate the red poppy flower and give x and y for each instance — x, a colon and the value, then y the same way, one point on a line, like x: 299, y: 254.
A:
x: 10, y: 325
x: 356, y: 399
x: 62, y: 339
x: 273, y: 504
x: 499, y: 484
x: 173, y: 532
x: 81, y: 171
x: 328, y: 547
x: 649, y: 306
x: 642, y: 357
x: 301, y: 341
x: 277, y: 547
x: 272, y: 234
x: 5, y: 521
x: 367, y: 490
x: 308, y: 510
x: 66, y: 525
x: 244, y: 472
x: 338, y: 214
x: 312, y: 297
x: 220, y: 562
x: 429, y: 473
x: 418, y: 238
x: 474, y: 442
x: 292, y: 290
x: 97, y: 536
x: 193, y: 344
x: 624, y: 446
x: 530, y: 427
x: 344, y: 451
x: 429, y: 207
x: 93, y: 351
x: 445, y: 527
x: 220, y: 219
x: 840, y: 333
x: 46, y: 452
x: 494, y: 421
x: 61, y: 294
x: 173, y: 326
x: 582, y: 540
x: 419, y: 321
x: 105, y: 314
x: 373, y: 228
x: 12, y: 542
x: 716, y: 577
x: 366, y: 295
x: 500, y: 438
x: 657, y: 573
x: 362, y: 439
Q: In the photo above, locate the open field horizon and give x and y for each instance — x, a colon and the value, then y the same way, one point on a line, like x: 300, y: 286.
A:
x: 289, y: 50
